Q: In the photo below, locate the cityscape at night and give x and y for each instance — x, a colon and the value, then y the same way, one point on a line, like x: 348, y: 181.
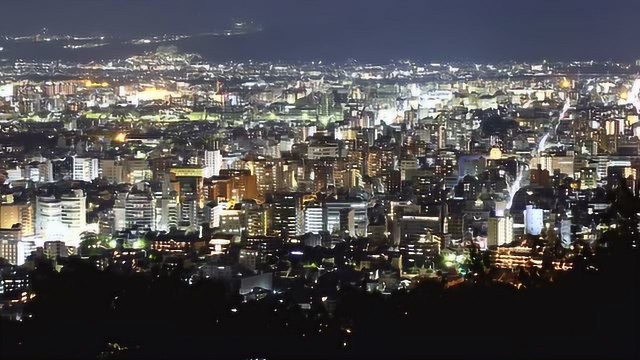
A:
x: 296, y: 179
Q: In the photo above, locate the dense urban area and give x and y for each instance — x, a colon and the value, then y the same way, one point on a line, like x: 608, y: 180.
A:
x: 163, y: 205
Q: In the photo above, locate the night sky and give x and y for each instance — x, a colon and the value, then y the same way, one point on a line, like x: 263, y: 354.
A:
x: 379, y: 30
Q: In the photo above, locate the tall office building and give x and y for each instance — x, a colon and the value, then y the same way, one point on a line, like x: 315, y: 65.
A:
x: 333, y: 211
x: 189, y: 186
x: 18, y: 213
x: 264, y: 171
x: 136, y: 170
x: 112, y: 170
x: 313, y: 218
x: 167, y: 213
x: 500, y: 231
x: 243, y: 184
x: 12, y: 247
x: 286, y: 213
x: 49, y: 225
x: 257, y: 220
x: 74, y: 215
x: 323, y: 176
x: 533, y: 220
x: 140, y: 210
x: 212, y: 163
x: 85, y: 169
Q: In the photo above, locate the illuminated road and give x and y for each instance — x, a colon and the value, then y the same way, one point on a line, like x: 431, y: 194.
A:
x: 516, y: 185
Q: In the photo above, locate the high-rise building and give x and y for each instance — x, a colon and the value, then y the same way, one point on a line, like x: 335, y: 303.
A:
x: 323, y: 176
x: 189, y: 185
x: 313, y: 218
x: 212, y: 163
x: 167, y: 213
x: 408, y: 167
x: 348, y: 221
x: 140, y: 210
x: 243, y: 184
x: 13, y: 248
x: 85, y: 169
x: 412, y: 227
x: 112, y: 170
x: 500, y: 231
x: 533, y: 220
x: 49, y: 225
x: 334, y: 208
x: 137, y: 170
x: 233, y: 221
x: 257, y: 220
x: 286, y: 213
x: 264, y: 171
x: 319, y: 151
x: 74, y: 215
x: 18, y: 213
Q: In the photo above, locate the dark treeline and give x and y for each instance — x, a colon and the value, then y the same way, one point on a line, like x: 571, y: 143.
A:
x: 585, y: 313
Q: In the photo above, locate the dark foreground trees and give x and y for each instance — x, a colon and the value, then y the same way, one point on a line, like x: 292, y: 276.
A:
x: 581, y: 314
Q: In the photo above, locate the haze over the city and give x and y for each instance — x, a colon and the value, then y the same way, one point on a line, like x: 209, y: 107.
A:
x: 371, y: 30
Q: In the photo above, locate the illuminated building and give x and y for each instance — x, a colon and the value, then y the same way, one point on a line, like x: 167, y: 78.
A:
x: 473, y: 165
x: 408, y: 167
x: 446, y: 163
x: 74, y: 215
x: 190, y: 190
x: 14, y: 280
x: 136, y: 170
x: 351, y: 178
x: 139, y: 210
x: 213, y: 213
x: 13, y: 248
x: 323, y: 176
x: 181, y: 243
x: 18, y: 213
x: 418, y: 255
x: 249, y: 258
x: 167, y: 213
x: 379, y: 160
x: 313, y: 218
x: 49, y: 219
x: 318, y: 151
x: 588, y: 178
x: 257, y: 220
x: 505, y: 257
x: 500, y: 231
x: 112, y: 170
x: 57, y: 249
x: 265, y: 175
x: 413, y: 227
x: 243, y: 184
x: 564, y: 164
x: 333, y: 215
x: 539, y: 177
x: 212, y: 163
x: 233, y: 221
x: 85, y: 169
x: 287, y: 215
x: 469, y: 188
x: 533, y: 220
x: 60, y: 88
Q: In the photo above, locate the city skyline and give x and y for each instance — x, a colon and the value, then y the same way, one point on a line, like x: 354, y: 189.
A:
x: 319, y: 179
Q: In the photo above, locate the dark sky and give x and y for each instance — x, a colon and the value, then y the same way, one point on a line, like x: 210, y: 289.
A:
x: 369, y: 29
